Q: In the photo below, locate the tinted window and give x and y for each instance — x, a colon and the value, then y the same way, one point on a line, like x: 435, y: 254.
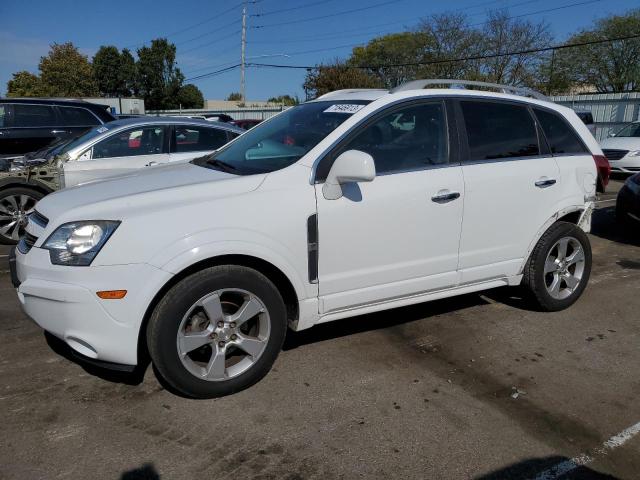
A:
x: 499, y: 130
x: 138, y: 141
x: 412, y: 138
x: 3, y: 116
x: 78, y: 117
x: 33, y: 115
x: 561, y: 137
x: 194, y: 139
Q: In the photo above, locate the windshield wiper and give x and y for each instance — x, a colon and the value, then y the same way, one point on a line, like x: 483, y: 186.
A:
x: 224, y: 166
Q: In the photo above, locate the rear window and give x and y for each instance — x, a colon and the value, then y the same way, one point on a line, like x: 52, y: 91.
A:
x: 196, y: 139
x: 33, y: 115
x: 78, y: 117
x: 499, y: 130
x: 560, y: 135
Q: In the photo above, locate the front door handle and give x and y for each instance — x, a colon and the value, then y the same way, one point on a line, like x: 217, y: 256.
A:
x: 444, y: 196
x: 545, y: 182
x: 151, y: 164
x: 58, y: 131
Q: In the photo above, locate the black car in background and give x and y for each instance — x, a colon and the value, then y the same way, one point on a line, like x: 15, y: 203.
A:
x: 628, y: 202
x: 29, y: 124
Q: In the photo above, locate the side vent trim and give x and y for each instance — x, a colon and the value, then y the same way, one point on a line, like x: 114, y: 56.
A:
x: 312, y: 247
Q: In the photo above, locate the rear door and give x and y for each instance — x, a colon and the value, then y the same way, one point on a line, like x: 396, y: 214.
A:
x: 511, y: 187
x: 120, y: 153
x: 192, y: 141
x: 30, y: 128
x: 76, y: 120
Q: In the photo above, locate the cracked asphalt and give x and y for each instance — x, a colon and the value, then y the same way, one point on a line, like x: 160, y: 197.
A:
x: 477, y: 386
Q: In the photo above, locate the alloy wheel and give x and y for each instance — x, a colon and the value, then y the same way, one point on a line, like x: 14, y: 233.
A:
x: 223, y: 334
x: 14, y: 212
x: 564, y: 268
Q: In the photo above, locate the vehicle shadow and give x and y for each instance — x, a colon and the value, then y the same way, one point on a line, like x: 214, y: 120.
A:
x: 134, y: 377
x: 145, y: 472
x: 534, y: 467
x: 604, y: 225
x: 379, y: 320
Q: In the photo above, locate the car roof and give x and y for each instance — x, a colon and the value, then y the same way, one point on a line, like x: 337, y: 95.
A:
x: 53, y: 101
x: 133, y: 121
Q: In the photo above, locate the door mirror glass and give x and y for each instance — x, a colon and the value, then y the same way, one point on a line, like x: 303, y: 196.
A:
x: 350, y: 166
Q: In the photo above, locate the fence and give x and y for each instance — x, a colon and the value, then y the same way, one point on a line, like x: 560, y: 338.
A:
x: 610, y: 110
x: 236, y: 114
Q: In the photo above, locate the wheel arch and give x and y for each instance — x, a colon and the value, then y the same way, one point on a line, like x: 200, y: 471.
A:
x: 15, y: 182
x: 268, y: 269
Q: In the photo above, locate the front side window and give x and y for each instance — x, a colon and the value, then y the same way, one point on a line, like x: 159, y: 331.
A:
x: 197, y: 139
x: 283, y: 140
x: 78, y: 117
x: 129, y: 143
x: 631, y: 130
x: 412, y: 138
x: 499, y: 130
x: 561, y: 137
x: 33, y: 115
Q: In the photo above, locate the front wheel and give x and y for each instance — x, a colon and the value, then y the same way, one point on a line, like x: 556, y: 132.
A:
x: 559, y: 267
x: 16, y: 203
x: 217, y: 331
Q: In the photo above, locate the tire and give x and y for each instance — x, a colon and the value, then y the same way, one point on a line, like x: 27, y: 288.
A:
x: 15, y: 204
x: 540, y: 274
x: 199, y: 311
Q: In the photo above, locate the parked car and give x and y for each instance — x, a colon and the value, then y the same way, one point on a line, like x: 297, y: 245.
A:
x: 628, y: 202
x: 587, y: 118
x: 326, y: 211
x: 622, y: 148
x: 29, y: 124
x: 246, y: 123
x: 115, y: 148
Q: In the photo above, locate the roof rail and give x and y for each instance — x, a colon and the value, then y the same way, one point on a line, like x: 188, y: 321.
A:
x: 420, y: 84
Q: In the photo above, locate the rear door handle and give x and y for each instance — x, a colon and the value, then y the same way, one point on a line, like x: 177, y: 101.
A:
x: 545, y: 182
x: 444, y: 196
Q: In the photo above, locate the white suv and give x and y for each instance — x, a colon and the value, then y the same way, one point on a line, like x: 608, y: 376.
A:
x: 359, y: 201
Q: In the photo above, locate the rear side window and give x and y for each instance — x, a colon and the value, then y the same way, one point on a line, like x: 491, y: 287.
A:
x: 78, y: 117
x: 499, y: 130
x: 560, y: 135
x: 195, y: 139
x: 3, y: 115
x: 33, y: 116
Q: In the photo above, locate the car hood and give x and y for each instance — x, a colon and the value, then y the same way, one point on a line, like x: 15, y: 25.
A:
x: 621, y: 143
x: 124, y: 196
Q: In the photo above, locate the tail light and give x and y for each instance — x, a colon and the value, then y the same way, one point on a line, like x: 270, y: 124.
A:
x: 604, y: 169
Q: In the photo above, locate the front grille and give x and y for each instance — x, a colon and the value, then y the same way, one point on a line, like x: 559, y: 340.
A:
x: 39, y: 219
x: 612, y: 154
x: 26, y: 242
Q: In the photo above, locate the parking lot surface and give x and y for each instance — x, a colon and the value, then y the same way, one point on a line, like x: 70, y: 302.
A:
x: 478, y: 386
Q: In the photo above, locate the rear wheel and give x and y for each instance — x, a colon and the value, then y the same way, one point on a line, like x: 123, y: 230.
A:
x: 16, y: 204
x: 217, y: 331
x: 559, y: 267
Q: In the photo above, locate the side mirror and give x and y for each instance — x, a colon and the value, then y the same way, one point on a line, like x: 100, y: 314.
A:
x: 611, y: 135
x: 85, y: 155
x: 350, y: 166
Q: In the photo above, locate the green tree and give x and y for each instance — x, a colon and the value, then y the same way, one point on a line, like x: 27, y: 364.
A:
x: 24, y: 84
x: 234, y: 97
x: 128, y: 73
x: 286, y: 100
x: 395, y: 48
x: 336, y: 76
x: 158, y: 77
x: 65, y: 72
x: 106, y: 71
x: 604, y: 67
x: 190, y: 96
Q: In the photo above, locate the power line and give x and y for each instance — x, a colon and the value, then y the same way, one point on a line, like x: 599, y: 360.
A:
x: 462, y: 59
x: 283, y: 10
x: 224, y: 27
x: 213, y: 74
x: 344, y: 12
x: 471, y: 25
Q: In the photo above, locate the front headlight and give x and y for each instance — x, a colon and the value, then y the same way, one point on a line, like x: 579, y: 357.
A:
x: 77, y: 243
x: 634, y: 153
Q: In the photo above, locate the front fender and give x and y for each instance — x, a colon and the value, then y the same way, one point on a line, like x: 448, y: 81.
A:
x: 206, y: 245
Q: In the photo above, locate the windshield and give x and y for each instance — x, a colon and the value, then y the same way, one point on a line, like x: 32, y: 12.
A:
x: 64, y: 147
x: 282, y: 141
x: 631, y: 130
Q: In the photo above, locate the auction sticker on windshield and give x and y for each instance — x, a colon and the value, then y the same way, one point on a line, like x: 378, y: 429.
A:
x: 349, y: 108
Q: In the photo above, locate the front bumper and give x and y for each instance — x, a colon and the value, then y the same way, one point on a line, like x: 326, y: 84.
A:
x: 626, y: 165
x: 63, y: 301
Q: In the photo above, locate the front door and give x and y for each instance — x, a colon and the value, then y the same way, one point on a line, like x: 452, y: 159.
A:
x: 120, y: 153
x: 398, y: 235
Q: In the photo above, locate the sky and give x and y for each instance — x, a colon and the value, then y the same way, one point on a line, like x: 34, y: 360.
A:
x: 207, y: 32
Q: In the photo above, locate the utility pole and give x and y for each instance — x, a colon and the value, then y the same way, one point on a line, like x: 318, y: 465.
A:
x: 244, y: 46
